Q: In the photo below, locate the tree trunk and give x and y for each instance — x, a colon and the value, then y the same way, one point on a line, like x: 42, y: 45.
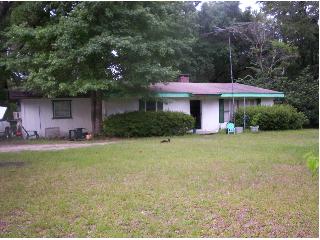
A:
x: 96, y: 112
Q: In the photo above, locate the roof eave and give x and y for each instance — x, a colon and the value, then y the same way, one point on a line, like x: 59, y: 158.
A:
x: 173, y: 94
x: 222, y: 95
x: 258, y: 95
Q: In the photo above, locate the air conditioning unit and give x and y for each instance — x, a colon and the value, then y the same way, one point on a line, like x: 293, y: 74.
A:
x: 16, y: 115
x: 52, y: 132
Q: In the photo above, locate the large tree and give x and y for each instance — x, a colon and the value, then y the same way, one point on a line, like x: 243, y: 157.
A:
x: 298, y: 26
x: 269, y: 56
x: 210, y: 56
x: 74, y: 48
x: 4, y: 73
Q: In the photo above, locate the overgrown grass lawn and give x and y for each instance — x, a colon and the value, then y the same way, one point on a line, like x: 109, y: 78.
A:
x: 245, y: 185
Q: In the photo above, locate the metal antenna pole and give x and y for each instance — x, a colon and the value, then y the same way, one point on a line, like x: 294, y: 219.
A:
x: 244, y: 113
x: 231, y: 75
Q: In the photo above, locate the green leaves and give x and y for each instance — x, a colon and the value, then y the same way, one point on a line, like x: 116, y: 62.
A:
x: 276, y: 117
x: 147, y: 124
x: 298, y: 24
x: 67, y: 48
x: 209, y: 60
x: 312, y: 162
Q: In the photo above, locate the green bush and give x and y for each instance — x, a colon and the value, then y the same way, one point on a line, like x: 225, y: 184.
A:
x: 276, y: 117
x: 312, y: 162
x: 146, y: 124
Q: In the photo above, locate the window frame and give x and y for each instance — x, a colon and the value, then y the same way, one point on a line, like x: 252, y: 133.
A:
x: 143, y: 104
x: 221, y: 111
x: 53, y: 109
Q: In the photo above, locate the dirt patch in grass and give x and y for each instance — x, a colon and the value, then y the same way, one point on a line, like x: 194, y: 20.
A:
x: 3, y: 226
x: 289, y: 167
x: 49, y: 147
x: 11, y: 164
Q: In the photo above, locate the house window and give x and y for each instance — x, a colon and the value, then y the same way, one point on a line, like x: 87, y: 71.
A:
x: 150, y: 105
x: 249, y: 102
x: 61, y: 109
x: 221, y: 110
x: 142, y: 105
x: 227, y: 107
x: 259, y: 101
x: 159, y: 106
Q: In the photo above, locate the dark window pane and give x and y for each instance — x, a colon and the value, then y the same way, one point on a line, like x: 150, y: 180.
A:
x: 151, y: 106
x: 141, y: 105
x: 221, y: 110
x: 61, y: 109
x: 259, y: 101
x: 159, y: 106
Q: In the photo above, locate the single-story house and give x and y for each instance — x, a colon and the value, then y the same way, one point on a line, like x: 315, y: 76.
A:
x: 209, y: 103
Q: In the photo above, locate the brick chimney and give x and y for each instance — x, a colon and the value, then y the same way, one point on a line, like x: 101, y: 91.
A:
x: 183, y: 78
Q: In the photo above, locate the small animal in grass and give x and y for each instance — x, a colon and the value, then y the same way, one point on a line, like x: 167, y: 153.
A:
x: 165, y: 140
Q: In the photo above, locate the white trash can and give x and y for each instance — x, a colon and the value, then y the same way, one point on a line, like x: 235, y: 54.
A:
x: 239, y: 129
x: 254, y: 128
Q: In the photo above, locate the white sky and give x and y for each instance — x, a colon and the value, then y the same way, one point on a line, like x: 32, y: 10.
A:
x: 243, y: 4
x: 253, y: 4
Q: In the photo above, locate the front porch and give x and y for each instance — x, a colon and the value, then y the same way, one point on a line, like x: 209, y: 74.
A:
x: 225, y: 106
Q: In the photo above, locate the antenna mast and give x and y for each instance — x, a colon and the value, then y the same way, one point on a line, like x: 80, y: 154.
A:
x: 231, y: 76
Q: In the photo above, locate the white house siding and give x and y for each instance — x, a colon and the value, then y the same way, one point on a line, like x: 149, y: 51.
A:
x: 114, y: 106
x: 209, y: 110
x: 37, y: 114
x: 210, y: 114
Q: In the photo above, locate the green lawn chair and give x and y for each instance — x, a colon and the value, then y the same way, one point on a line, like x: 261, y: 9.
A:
x: 231, y: 128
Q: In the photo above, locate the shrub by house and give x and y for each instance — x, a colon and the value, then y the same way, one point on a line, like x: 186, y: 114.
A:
x: 146, y: 124
x: 276, y: 117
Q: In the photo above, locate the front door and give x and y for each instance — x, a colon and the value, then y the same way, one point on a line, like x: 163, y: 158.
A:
x: 195, y: 111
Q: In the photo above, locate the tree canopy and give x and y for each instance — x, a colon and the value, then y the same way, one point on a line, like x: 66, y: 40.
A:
x: 76, y: 47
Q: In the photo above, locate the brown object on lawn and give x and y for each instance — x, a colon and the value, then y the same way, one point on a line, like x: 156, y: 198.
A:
x: 165, y: 140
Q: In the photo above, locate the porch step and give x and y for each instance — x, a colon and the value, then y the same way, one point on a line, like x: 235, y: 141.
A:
x: 205, y: 132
